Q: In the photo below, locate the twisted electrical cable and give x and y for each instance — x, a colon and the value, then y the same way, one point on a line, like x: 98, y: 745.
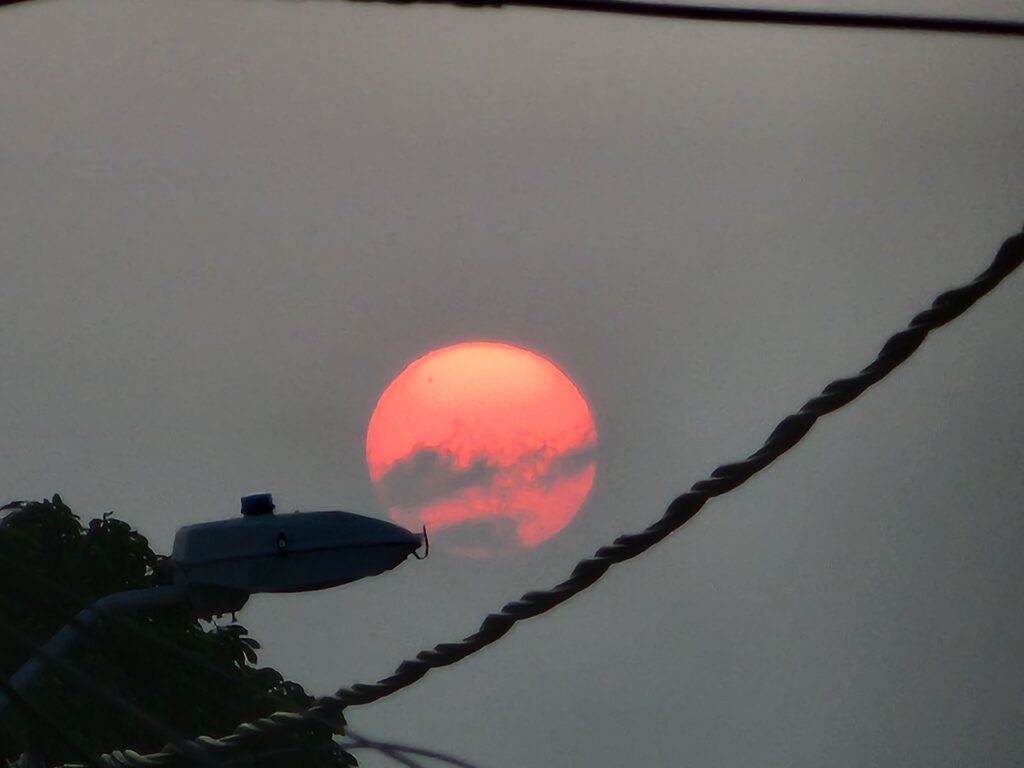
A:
x: 947, y: 307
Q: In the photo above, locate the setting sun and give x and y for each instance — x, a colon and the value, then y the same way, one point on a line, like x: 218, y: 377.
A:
x: 489, y: 445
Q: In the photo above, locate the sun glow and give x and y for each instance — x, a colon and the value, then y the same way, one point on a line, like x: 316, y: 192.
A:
x: 489, y: 445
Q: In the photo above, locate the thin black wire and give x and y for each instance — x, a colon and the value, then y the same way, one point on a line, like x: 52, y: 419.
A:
x: 718, y: 13
x: 363, y: 742
x: 693, y: 12
x: 41, y: 718
x: 69, y: 598
x: 725, y: 478
x: 400, y: 758
x: 355, y: 741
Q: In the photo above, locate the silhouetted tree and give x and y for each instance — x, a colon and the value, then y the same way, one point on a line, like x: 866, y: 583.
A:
x: 51, y: 566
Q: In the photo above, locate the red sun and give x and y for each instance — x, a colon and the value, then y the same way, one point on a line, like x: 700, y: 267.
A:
x: 489, y: 445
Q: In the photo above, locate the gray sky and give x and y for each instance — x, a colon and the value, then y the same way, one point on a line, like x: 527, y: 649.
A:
x: 225, y: 225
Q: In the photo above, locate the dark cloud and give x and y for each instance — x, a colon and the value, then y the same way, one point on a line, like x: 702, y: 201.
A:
x: 428, y: 475
x: 483, y: 537
x: 569, y: 463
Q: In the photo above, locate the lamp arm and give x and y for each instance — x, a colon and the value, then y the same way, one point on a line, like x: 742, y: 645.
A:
x: 85, y: 619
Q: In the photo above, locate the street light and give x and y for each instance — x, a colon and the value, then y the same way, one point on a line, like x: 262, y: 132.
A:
x: 218, y: 565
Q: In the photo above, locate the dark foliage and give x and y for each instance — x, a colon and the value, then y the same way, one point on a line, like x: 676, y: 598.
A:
x: 193, y: 679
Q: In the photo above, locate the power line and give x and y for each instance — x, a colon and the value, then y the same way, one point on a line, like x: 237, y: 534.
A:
x: 727, y: 477
x: 774, y: 16
x: 726, y: 14
x: 391, y: 748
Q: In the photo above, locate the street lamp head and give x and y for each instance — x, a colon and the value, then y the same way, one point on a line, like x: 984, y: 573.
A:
x: 218, y: 565
x: 221, y: 563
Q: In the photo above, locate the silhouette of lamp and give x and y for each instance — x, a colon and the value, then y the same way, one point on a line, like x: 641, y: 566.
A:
x: 218, y: 565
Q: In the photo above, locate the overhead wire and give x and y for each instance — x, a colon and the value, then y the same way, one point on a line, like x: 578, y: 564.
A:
x: 743, y: 15
x: 892, y: 22
x: 363, y: 742
x: 355, y: 741
x: 401, y: 759
x: 725, y: 478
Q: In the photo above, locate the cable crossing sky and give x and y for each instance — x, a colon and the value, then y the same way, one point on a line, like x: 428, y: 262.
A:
x: 774, y: 16
x: 727, y: 477
x: 719, y: 13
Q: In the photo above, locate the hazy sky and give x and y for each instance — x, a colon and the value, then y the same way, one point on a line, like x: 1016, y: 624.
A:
x: 225, y: 225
